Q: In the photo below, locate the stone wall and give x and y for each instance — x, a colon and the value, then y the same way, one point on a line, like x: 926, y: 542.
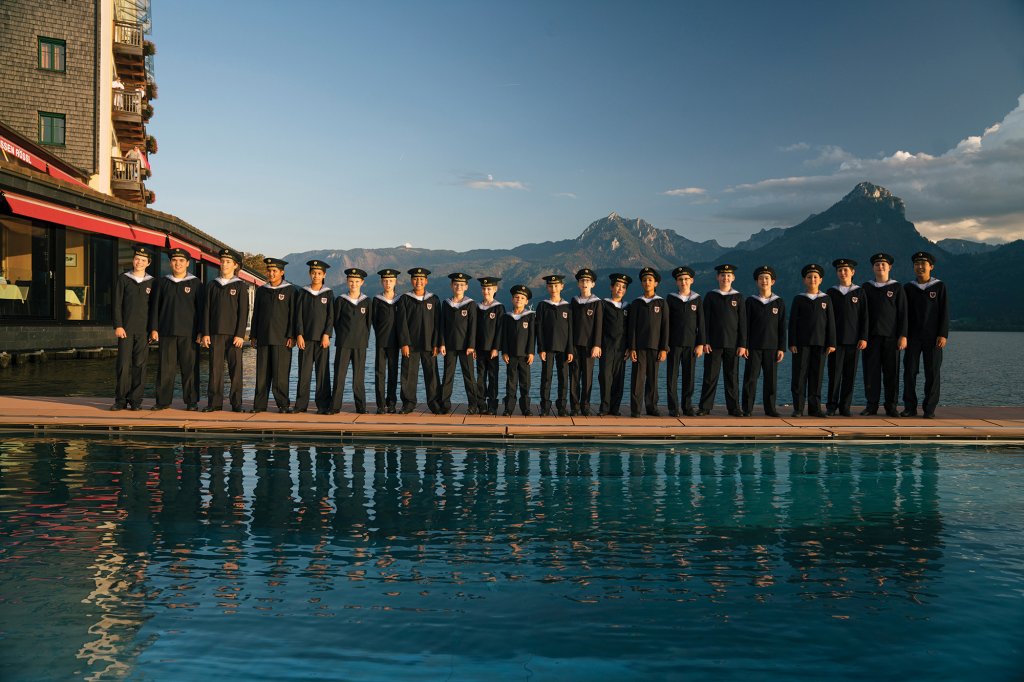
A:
x: 15, y: 337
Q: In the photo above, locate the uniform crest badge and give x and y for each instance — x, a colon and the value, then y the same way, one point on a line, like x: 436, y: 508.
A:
x: 491, y: 316
x: 889, y: 294
x: 280, y: 297
x: 565, y: 316
x: 824, y: 306
x: 362, y: 310
x: 188, y: 290
x: 693, y: 307
x: 775, y: 311
x: 526, y: 325
x: 590, y: 312
x: 149, y: 289
x: 430, y: 306
x: 931, y: 294
x: 323, y: 299
x: 657, y: 309
x: 853, y: 298
x: 465, y: 312
x: 733, y: 303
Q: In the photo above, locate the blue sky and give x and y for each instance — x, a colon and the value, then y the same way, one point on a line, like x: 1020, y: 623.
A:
x: 335, y: 125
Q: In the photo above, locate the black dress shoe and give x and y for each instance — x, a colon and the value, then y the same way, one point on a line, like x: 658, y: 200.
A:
x: 929, y: 415
x: 562, y: 412
x: 771, y: 413
x: 735, y: 413
x: 634, y: 415
x: 701, y: 413
x: 844, y: 413
x: 192, y: 408
x: 406, y: 409
x: 654, y: 412
x: 211, y: 408
x: 157, y: 408
x: 796, y: 415
x: 891, y: 412
x: 615, y: 413
x: 134, y: 408
x: 673, y: 413
x: 830, y: 413
x: 116, y: 408
x: 585, y: 411
x: 690, y: 412
x: 745, y: 414
x: 816, y: 413
x: 392, y: 409
x: 382, y: 410
x: 908, y: 413
x: 600, y: 413
x: 869, y: 412
x: 527, y: 412
x: 237, y: 408
x: 322, y: 412
x: 255, y: 411
x: 471, y: 410
x: 506, y: 413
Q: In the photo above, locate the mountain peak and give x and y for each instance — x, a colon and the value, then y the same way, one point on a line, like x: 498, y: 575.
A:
x: 870, y: 193
x: 613, y: 216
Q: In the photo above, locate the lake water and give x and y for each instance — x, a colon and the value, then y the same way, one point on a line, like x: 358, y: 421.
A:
x: 976, y: 371
x: 206, y: 559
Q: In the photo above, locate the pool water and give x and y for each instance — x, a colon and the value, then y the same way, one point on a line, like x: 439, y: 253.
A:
x: 206, y: 559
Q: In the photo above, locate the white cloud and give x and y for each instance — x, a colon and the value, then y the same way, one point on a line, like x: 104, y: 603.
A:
x: 564, y: 195
x: 797, y: 147
x: 686, y: 192
x: 972, y: 189
x: 488, y: 182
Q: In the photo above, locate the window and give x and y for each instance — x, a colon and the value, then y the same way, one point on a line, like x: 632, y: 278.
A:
x: 52, y: 54
x: 51, y: 128
x: 26, y: 283
x: 88, y: 275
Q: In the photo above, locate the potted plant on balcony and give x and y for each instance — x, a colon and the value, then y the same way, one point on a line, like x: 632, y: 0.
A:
x: 148, y: 48
x: 147, y: 112
x: 151, y: 146
x: 150, y: 196
x: 151, y: 90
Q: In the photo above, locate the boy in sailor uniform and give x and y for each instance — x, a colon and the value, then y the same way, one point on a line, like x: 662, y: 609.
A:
x: 418, y: 326
x: 611, y: 373
x: 386, y: 342
x: 887, y: 336
x: 812, y: 336
x: 587, y: 315
x: 927, y: 332
x: 458, y: 339
x: 489, y: 315
x: 851, y: 310
x: 518, y: 330
x: 686, y: 339
x: 314, y: 325
x: 224, y: 318
x: 647, y: 333
x: 766, y: 341
x: 132, y: 291
x: 554, y: 343
x: 726, y: 317
x: 272, y: 333
x: 175, y: 320
x: 352, y: 315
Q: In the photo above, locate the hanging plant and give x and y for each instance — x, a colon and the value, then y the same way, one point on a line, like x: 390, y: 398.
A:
x: 151, y: 146
x: 147, y: 112
x: 148, y: 48
x: 151, y: 90
x: 150, y: 196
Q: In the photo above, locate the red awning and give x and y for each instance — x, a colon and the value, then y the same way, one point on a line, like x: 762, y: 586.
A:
x: 55, y: 213
x: 210, y: 259
x: 151, y: 237
x: 252, y: 279
x: 175, y: 243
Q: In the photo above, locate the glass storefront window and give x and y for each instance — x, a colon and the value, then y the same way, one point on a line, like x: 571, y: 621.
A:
x: 88, y: 276
x: 26, y: 273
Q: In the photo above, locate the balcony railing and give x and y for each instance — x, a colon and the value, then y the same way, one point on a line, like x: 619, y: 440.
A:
x: 126, y: 33
x: 127, y: 101
x: 125, y: 170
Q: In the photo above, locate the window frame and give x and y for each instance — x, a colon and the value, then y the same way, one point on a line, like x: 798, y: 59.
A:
x: 53, y: 116
x: 49, y: 46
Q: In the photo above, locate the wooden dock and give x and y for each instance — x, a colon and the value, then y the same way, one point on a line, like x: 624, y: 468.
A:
x: 43, y: 415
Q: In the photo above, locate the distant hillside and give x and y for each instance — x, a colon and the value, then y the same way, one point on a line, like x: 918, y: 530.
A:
x: 867, y: 220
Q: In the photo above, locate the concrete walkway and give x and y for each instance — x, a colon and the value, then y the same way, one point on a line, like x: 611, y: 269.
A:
x: 91, y: 415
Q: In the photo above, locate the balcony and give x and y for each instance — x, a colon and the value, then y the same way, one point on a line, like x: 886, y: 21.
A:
x: 127, y: 116
x: 126, y: 180
x: 128, y: 52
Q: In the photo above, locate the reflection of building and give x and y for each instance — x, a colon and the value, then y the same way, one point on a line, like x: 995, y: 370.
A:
x: 75, y: 96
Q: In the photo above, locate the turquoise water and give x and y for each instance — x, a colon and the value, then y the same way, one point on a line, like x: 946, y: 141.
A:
x: 263, y: 560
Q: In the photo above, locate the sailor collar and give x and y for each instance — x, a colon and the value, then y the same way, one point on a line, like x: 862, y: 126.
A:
x: 617, y: 304
x: 353, y: 301
x: 183, y: 279
x: 813, y: 297
x: 224, y: 282
x: 652, y: 298
x: 488, y: 306
x: 724, y: 293
x: 321, y: 290
x: 584, y: 301
x: 425, y: 296
x: 390, y: 301
x: 282, y: 285
x: 764, y: 300
x: 466, y: 300
x: 560, y: 302
x: 517, y: 316
x: 685, y: 299
x: 883, y: 284
x: 138, y: 280
x: 845, y: 290
x: 922, y: 287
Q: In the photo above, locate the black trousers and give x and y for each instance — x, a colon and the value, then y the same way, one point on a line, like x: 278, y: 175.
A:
x: 720, y: 360
x: 842, y: 371
x: 343, y: 358
x: 466, y: 362
x: 385, y: 375
x: 314, y: 360
x: 808, y: 370
x: 644, y: 388
x: 177, y: 354
x: 410, y: 368
x: 581, y: 378
x: 273, y: 365
x: 487, y: 380
x: 881, y: 367
x: 517, y: 375
x: 611, y: 378
x: 223, y: 350
x: 132, y: 354
x: 760, y: 360
x: 681, y: 363
x: 555, y: 359
x: 916, y: 348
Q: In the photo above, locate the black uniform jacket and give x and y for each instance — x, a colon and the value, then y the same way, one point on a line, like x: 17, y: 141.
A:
x: 554, y: 327
x: 458, y: 324
x: 131, y: 302
x: 587, y: 321
x: 177, y: 306
x: 927, y: 309
x: 887, y: 308
x: 385, y: 331
x: 685, y: 321
x: 647, y: 325
x: 518, y: 333
x: 811, y: 321
x: 614, y: 326
x: 726, y: 319
x: 227, y: 307
x: 352, y: 321
x: 417, y: 321
x: 851, y: 311
x: 766, y: 323
x: 488, y: 326
x: 273, y: 314
x: 314, y: 313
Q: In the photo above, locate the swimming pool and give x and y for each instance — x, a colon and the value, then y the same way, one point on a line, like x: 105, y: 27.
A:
x: 271, y: 560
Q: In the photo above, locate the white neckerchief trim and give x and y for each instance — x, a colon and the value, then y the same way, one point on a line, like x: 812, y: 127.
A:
x: 560, y: 302
x: 224, y: 282
x: 487, y: 306
x: 425, y: 296
x: 813, y: 297
x: 845, y: 290
x: 183, y: 279
x: 685, y: 299
x: 883, y: 284
x: 466, y: 300
x: 282, y: 285
x: 139, y: 280
x: 617, y: 304
x: 389, y: 301
x: 724, y: 293
x: 353, y: 301
x: 584, y: 301
x: 319, y: 291
x: 766, y: 301
x: 652, y: 298
x: 517, y: 316
x: 922, y: 287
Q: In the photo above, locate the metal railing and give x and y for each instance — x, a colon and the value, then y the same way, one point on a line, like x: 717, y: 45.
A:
x: 125, y: 170
x: 128, y: 101
x: 126, y: 33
